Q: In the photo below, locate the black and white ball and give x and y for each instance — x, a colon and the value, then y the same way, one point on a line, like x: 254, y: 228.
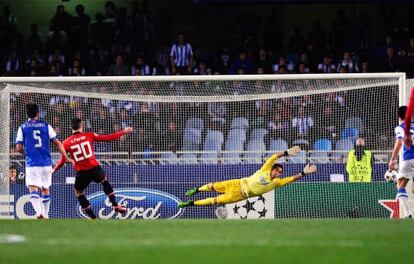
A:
x: 390, y: 176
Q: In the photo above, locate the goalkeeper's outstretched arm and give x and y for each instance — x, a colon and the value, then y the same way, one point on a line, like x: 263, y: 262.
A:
x: 307, y: 170
x: 270, y: 161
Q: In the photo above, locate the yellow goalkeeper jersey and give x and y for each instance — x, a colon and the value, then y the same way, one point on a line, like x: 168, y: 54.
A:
x: 260, y: 182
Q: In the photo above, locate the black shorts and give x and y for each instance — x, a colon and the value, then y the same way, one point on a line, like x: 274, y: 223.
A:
x: 84, y: 178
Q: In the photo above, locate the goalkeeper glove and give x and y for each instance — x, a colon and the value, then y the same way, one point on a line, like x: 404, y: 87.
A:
x: 308, y: 169
x: 292, y: 151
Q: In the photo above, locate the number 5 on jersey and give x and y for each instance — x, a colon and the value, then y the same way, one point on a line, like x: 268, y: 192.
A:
x: 82, y: 151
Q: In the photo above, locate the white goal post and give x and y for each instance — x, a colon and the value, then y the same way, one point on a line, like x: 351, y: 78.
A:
x: 209, y: 128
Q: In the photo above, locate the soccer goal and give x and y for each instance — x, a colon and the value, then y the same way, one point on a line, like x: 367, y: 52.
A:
x: 191, y: 130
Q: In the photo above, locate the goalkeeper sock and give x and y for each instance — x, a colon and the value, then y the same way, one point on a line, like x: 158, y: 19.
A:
x: 403, y: 198
x: 35, y: 201
x: 207, y: 201
x: 204, y: 188
x: 86, y: 206
x: 108, y: 190
x: 46, y: 205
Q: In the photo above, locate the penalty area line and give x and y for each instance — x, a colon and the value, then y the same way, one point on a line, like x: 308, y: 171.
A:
x: 11, y: 238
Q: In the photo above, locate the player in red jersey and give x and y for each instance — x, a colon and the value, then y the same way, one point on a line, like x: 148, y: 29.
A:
x: 408, y: 141
x: 80, y: 148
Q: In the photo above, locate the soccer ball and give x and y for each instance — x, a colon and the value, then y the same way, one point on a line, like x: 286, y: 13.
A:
x: 390, y: 176
x: 221, y: 212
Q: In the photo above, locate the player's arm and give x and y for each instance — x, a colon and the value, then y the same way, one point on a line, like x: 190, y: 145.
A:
x: 114, y: 136
x: 408, y: 141
x: 19, y: 141
x: 397, y: 148
x: 270, y: 161
x: 307, y: 170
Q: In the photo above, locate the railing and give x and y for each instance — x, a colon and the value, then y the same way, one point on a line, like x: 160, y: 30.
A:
x: 216, y: 157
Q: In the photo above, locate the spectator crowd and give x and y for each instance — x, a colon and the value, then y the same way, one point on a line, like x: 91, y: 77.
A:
x: 136, y: 41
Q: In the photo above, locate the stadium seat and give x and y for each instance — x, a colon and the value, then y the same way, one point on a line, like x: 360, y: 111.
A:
x: 350, y: 133
x: 355, y: 122
x: 191, y: 139
x: 342, y: 147
x: 298, y: 159
x: 322, y: 146
x: 235, y: 142
x: 195, y: 123
x: 168, y: 158
x: 240, y: 123
x: 213, y: 142
x: 188, y: 158
x: 259, y: 147
x: 278, y: 145
x: 258, y: 134
x: 302, y: 143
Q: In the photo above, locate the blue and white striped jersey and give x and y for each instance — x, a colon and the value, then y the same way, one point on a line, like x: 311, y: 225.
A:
x: 408, y: 154
x: 182, y: 54
x: 35, y: 136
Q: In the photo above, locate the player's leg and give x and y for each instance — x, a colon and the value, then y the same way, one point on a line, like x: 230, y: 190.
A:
x: 100, y: 177
x: 34, y: 182
x: 402, y: 196
x: 81, y: 182
x: 46, y: 202
x: 406, y: 169
x: 232, y: 194
x: 46, y: 183
x: 35, y: 200
x: 217, y: 187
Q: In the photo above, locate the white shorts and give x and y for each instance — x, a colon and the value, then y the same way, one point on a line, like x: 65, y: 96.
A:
x: 406, y: 169
x: 39, y: 176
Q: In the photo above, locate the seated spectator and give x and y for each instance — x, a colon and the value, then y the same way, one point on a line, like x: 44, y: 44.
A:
x: 242, y: 62
x: 365, y: 67
x: 288, y: 67
x: 217, y: 112
x: 140, y: 68
x: 76, y: 69
x: 302, y: 68
x: 202, y: 69
x: 349, y: 63
x: 302, y: 124
x: 35, y: 38
x: 278, y: 127
x: 161, y: 60
x: 391, y: 62
x: 327, y: 66
x: 56, y: 57
x: 12, y: 65
x: 14, y: 177
x: 119, y: 68
x: 171, y: 138
x: 99, y: 62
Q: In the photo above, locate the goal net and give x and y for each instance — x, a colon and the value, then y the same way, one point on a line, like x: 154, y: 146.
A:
x: 192, y: 130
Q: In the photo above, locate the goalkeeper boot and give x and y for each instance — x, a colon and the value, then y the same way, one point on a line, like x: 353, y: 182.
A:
x: 185, y: 204
x: 191, y: 192
x: 120, y: 209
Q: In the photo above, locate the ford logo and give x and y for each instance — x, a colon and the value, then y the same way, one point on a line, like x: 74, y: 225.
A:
x: 141, y: 204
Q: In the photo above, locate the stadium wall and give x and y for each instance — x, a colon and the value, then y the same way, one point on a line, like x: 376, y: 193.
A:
x: 152, y: 192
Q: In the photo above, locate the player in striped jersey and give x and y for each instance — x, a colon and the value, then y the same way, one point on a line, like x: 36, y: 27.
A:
x: 406, y: 170
x: 33, y: 137
x: 181, y: 56
x: 262, y: 181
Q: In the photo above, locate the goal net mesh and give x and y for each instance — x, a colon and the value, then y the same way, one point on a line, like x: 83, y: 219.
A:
x: 189, y: 133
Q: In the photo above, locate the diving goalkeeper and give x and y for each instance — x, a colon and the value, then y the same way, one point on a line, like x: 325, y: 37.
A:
x: 262, y: 181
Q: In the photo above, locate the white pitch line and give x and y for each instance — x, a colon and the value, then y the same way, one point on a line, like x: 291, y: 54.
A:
x: 218, y: 242
x: 11, y: 238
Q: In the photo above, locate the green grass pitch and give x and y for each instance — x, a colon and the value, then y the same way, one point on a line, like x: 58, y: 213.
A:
x: 209, y: 241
